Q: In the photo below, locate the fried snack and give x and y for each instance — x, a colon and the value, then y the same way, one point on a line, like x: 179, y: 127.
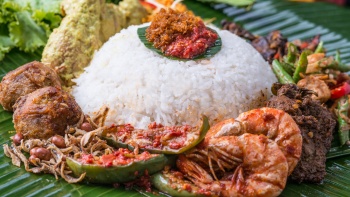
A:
x: 44, y: 113
x: 24, y: 80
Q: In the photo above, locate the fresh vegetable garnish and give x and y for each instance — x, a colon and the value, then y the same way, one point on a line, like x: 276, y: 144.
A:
x: 118, y: 167
x: 26, y: 24
x: 158, y: 138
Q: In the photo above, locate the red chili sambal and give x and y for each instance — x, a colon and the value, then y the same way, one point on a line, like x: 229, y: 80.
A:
x: 180, y: 34
x: 119, y: 157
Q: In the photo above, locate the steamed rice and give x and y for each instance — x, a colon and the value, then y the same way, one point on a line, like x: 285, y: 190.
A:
x: 140, y: 86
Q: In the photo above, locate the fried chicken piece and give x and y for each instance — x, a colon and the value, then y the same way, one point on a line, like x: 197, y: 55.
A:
x: 86, y: 26
x: 24, y: 80
x: 133, y: 12
x: 70, y: 46
x: 323, y: 93
x: 45, y: 112
x: 112, y: 21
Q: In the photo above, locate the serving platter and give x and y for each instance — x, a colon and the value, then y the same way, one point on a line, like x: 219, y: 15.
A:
x: 295, y: 20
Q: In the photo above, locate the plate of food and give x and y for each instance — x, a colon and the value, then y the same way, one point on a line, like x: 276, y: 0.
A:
x: 174, y: 98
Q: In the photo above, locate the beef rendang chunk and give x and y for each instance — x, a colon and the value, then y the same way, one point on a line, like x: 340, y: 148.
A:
x: 316, y: 124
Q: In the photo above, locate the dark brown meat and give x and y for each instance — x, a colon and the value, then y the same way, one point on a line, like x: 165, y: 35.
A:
x: 274, y: 45
x: 316, y: 124
x: 45, y: 112
x: 270, y: 45
x: 237, y: 29
x: 24, y: 80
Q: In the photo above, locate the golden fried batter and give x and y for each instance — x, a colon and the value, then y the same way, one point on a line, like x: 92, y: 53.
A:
x: 86, y: 26
x: 24, y: 80
x: 45, y: 112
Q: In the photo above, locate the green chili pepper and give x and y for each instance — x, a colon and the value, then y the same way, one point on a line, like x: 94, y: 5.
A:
x: 289, y: 68
x: 301, y: 67
x: 342, y: 67
x: 292, y: 54
x: 282, y: 76
x: 117, y: 174
x: 174, y: 187
x: 319, y: 48
x: 164, y: 149
x: 343, y: 128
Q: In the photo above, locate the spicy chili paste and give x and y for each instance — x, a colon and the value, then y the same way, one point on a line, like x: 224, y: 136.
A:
x: 157, y: 138
x: 180, y: 34
x: 119, y: 157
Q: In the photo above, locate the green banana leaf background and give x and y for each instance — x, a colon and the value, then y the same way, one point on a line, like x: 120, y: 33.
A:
x: 295, y: 20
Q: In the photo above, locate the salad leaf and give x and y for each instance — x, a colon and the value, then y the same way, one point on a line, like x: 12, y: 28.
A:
x: 52, y: 6
x: 26, y: 33
x: 27, y: 24
x: 6, y: 43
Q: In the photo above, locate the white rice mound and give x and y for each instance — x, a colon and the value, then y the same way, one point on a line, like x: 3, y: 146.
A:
x: 140, y: 86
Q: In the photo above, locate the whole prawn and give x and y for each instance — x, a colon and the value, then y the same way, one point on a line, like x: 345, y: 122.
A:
x: 273, y: 123
x: 263, y: 169
x: 248, y: 156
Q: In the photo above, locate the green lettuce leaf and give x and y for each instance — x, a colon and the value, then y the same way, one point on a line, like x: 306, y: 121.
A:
x: 6, y: 43
x: 50, y: 18
x: 47, y: 11
x: 47, y: 6
x: 27, y: 24
x: 26, y: 33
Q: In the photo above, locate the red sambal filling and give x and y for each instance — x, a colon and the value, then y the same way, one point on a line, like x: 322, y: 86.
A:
x: 156, y: 136
x: 119, y: 157
x: 180, y: 34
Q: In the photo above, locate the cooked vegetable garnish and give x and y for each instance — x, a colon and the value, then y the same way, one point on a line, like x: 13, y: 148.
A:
x: 292, y: 54
x: 282, y: 75
x: 301, y: 66
x: 289, y: 68
x: 211, y: 51
x: 319, y: 48
x: 118, y: 167
x: 343, y: 127
x: 342, y: 67
x: 158, y: 138
x: 172, y: 183
x: 340, y: 91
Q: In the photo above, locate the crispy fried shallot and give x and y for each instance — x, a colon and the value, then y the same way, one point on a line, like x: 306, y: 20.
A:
x: 77, y: 141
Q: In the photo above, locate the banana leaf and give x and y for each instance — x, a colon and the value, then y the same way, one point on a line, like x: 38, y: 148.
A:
x: 295, y: 20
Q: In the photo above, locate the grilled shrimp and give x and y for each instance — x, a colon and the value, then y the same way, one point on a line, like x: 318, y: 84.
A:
x: 262, y: 170
x: 278, y: 126
x: 273, y: 123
